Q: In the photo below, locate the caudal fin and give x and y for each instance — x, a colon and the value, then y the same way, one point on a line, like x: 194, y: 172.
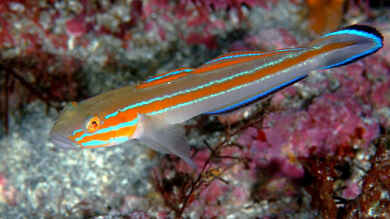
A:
x: 352, y: 43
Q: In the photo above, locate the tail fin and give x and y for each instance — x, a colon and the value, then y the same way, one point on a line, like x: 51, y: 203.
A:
x: 359, y: 41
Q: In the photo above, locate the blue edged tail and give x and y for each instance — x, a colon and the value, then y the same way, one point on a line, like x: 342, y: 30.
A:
x: 364, y: 40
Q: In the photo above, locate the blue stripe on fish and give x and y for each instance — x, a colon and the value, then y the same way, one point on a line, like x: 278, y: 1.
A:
x: 249, y: 54
x: 142, y: 103
x: 234, y: 56
x: 168, y: 74
x: 109, y: 129
x: 220, y: 81
x: 255, y: 98
x: 111, y: 115
x: 117, y: 140
x: 76, y: 131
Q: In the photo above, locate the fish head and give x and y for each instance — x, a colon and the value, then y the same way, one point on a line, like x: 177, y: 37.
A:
x: 70, y: 123
x: 74, y: 125
x: 91, y: 123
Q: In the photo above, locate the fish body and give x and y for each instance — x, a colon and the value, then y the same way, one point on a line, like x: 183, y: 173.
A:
x: 150, y: 111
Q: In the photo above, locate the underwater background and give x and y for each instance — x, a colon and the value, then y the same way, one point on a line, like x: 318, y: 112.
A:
x: 317, y: 149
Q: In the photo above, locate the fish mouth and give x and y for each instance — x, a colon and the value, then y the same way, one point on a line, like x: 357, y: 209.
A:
x: 62, y: 141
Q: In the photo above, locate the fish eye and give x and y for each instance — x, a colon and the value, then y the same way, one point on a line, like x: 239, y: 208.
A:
x: 92, y: 124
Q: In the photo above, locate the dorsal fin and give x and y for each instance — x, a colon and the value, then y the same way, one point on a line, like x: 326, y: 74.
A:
x: 233, y: 58
x: 235, y: 55
x: 165, y: 77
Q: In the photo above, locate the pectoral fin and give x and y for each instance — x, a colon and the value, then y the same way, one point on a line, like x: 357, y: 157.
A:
x: 162, y: 137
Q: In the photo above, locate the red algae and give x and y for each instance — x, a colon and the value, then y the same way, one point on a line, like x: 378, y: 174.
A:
x: 7, y: 191
x: 76, y: 27
x: 352, y: 191
x: 321, y: 179
x: 372, y: 200
x: 234, y: 4
x: 330, y: 122
x: 212, y: 192
x: 38, y: 75
x: 196, y: 38
x: 276, y: 38
x: 381, y: 94
x: 203, y: 190
x: 197, y: 15
x: 308, y: 143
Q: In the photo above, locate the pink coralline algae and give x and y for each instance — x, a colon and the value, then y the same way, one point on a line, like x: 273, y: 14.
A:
x: 352, y: 190
x: 32, y: 22
x: 381, y: 94
x: 7, y: 191
x: 275, y: 38
x: 332, y: 124
x: 197, y: 16
x: 225, y: 4
x: 76, y: 27
x: 209, y: 199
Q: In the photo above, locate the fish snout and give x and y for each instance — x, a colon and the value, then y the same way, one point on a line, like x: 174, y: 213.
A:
x: 62, y: 141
